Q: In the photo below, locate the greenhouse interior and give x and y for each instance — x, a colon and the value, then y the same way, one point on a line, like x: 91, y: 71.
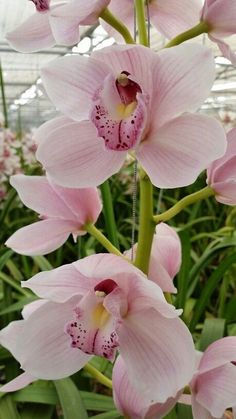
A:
x: 118, y: 209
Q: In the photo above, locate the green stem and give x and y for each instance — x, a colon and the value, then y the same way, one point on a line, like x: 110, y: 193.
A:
x: 183, y: 203
x: 90, y: 228
x: 101, y: 378
x: 109, y: 213
x: 141, y: 22
x: 4, y: 103
x: 201, y: 27
x: 118, y: 25
x: 147, y: 226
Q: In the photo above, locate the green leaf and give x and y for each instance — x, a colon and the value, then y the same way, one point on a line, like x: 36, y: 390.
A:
x: 44, y: 392
x: 43, y: 263
x: 171, y: 415
x: 213, y: 329
x: 108, y: 415
x: 38, y: 392
x: 209, y: 288
x: 70, y: 399
x: 19, y: 305
x: 183, y: 276
x: 8, y: 409
x: 37, y: 412
x: 4, y: 258
x: 205, y: 259
x: 184, y: 412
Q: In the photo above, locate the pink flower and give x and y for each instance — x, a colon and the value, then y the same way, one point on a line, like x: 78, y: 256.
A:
x: 169, y: 17
x: 41, y: 5
x: 221, y: 174
x: 131, y: 403
x: 136, y: 101
x: 165, y: 258
x: 64, y: 211
x: 213, y: 385
x: 92, y: 307
x: 220, y: 15
x: 57, y: 24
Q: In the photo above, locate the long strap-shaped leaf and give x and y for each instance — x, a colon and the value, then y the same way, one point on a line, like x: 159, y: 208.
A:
x: 70, y: 399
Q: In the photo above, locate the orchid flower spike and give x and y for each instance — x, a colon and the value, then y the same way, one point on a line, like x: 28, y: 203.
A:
x: 221, y: 174
x: 165, y: 257
x: 130, y: 99
x: 169, y: 17
x: 55, y: 24
x: 64, y: 211
x: 93, y: 307
x: 220, y: 16
x: 213, y: 385
x: 130, y: 402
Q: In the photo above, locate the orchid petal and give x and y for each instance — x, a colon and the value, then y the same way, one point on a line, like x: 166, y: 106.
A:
x: 31, y: 307
x: 137, y: 60
x: 182, y: 81
x: 42, y: 237
x: 225, y: 49
x: 157, y: 353
x: 18, y: 383
x: 218, y: 354
x: 45, y: 129
x: 60, y: 284
x: 181, y: 149
x: 70, y: 166
x: 100, y: 264
x: 225, y: 192
x: 42, y: 347
x: 65, y: 32
x: 230, y: 152
x: 79, y: 77
x: 165, y: 257
x: 32, y: 35
x: 199, y: 412
x: 131, y: 403
x: 220, y: 18
x: 81, y: 12
x: 216, y: 389
x: 46, y: 201
x: 168, y: 16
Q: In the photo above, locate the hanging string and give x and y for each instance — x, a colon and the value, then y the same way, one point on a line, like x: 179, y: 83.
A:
x: 159, y: 202
x: 134, y: 206
x: 135, y: 164
x: 135, y: 170
x: 148, y: 21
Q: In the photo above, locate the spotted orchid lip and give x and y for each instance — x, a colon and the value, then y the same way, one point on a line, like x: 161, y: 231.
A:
x: 119, y: 112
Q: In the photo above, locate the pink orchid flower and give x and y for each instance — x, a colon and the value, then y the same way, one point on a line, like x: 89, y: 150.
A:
x: 55, y: 24
x: 130, y: 99
x: 64, y: 211
x: 165, y: 257
x: 130, y: 402
x: 213, y: 385
x: 169, y: 17
x: 220, y: 15
x: 93, y: 307
x: 221, y: 174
